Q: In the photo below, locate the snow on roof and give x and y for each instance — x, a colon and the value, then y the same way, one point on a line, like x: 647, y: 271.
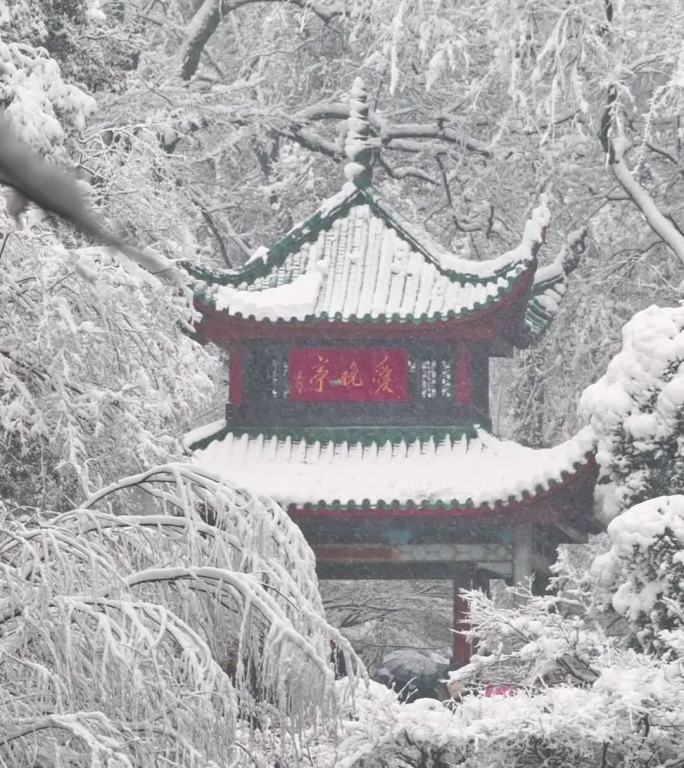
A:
x: 548, y: 290
x: 295, y: 300
x: 363, y: 265
x: 473, y: 473
x: 550, y: 283
x: 203, y: 432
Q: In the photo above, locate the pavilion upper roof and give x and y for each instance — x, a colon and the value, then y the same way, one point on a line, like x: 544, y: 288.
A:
x: 357, y: 259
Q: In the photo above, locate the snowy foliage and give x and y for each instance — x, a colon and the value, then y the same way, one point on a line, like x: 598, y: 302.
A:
x: 91, y: 47
x: 154, y: 623
x: 577, y: 693
x: 645, y: 569
x: 97, y: 375
x: 635, y: 410
x: 631, y: 716
x: 39, y: 101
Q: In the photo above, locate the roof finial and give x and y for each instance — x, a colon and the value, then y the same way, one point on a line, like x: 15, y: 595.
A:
x: 357, y: 145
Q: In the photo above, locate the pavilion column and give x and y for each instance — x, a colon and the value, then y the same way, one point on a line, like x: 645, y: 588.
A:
x: 236, y: 375
x: 463, y: 579
x: 462, y: 648
x: 461, y: 620
x: 523, y: 567
x: 464, y: 375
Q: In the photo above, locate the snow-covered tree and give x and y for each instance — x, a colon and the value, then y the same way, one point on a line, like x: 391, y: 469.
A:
x: 93, y: 48
x: 171, y: 618
x: 644, y: 567
x: 96, y: 374
x: 635, y: 410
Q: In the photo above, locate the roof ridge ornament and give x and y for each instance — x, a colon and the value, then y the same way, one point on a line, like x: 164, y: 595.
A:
x: 357, y: 146
x: 534, y: 235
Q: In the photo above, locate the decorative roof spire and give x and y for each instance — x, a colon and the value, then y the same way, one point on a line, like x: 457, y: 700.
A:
x: 357, y: 146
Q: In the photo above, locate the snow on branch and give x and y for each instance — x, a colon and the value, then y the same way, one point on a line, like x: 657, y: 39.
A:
x: 154, y: 623
x: 58, y: 192
x: 658, y: 222
x: 644, y: 570
x: 210, y: 13
x: 616, y: 145
x: 406, y: 137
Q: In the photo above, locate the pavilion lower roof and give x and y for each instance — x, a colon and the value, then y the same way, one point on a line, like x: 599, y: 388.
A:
x: 453, y: 474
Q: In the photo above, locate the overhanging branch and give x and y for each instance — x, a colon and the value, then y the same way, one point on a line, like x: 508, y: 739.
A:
x: 615, y: 144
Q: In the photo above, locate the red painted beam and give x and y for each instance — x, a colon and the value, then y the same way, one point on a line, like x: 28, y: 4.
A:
x: 364, y: 553
x: 482, y: 325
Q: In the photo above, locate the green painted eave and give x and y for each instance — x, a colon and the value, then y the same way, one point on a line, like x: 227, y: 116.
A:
x: 537, y: 318
x: 408, y: 505
x: 351, y: 435
x: 207, y: 299
x: 307, y: 232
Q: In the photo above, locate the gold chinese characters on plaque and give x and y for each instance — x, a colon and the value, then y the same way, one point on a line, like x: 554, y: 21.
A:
x: 349, y: 373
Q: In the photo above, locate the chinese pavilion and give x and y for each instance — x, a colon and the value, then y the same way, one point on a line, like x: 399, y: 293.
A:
x: 358, y: 394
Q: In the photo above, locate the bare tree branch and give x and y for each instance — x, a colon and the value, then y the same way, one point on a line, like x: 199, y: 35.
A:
x: 450, y: 200
x: 210, y: 14
x: 406, y: 172
x: 213, y: 228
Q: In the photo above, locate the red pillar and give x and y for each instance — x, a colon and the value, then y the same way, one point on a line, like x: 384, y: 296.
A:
x: 461, y: 647
x: 464, y: 386
x: 236, y: 375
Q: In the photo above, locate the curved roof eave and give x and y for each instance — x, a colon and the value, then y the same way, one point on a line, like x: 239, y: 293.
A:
x: 452, y: 477
x: 458, y: 270
x: 516, y: 288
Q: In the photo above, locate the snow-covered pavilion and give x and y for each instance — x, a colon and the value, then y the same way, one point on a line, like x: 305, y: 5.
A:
x: 359, y: 394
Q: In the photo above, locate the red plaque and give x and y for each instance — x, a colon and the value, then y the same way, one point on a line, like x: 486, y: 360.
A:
x: 348, y: 373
